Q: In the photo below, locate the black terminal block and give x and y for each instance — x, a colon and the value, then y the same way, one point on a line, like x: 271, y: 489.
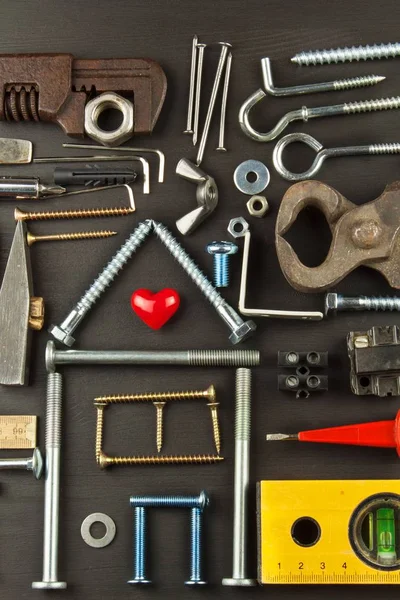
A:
x: 305, y: 377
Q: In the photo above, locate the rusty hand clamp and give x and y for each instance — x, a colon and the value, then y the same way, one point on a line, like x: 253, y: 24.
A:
x: 365, y: 235
x: 56, y: 88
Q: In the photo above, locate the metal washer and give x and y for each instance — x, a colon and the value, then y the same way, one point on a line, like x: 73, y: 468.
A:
x: 98, y: 518
x: 251, y: 187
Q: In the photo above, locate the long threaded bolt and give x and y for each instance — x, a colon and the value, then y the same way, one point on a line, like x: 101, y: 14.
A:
x: 34, y: 463
x: 336, y: 55
x: 117, y: 211
x: 242, y: 470
x: 107, y: 461
x: 192, y: 358
x: 160, y: 424
x: 52, y: 486
x: 196, y: 550
x: 240, y: 329
x: 177, y: 501
x: 81, y: 235
x: 215, y: 424
x: 63, y: 332
x: 337, y: 302
x: 139, y: 543
x: 210, y: 110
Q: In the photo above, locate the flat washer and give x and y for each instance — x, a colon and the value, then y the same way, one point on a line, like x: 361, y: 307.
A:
x: 242, y: 172
x: 98, y: 518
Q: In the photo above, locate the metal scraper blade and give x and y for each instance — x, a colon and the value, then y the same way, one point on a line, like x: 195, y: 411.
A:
x: 15, y: 297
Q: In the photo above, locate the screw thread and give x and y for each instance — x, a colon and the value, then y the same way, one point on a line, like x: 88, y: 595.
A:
x: 99, y: 430
x: 221, y: 270
x: 393, y: 148
x: 140, y: 543
x: 53, y: 411
x: 356, y: 82
x: 219, y: 358
x: 176, y: 501
x: 243, y: 405
x: 83, y: 235
x: 372, y: 105
x: 160, y: 424
x: 335, y: 55
x: 215, y: 425
x: 195, y: 544
x: 380, y: 303
x: 156, y: 460
x: 115, y: 265
x: 188, y: 264
x: 73, y: 214
x: 154, y: 396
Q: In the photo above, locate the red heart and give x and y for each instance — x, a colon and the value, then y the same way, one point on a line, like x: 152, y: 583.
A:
x: 155, y: 309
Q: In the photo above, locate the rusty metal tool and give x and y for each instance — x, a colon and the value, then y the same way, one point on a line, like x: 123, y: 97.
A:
x: 20, y: 311
x: 57, y: 87
x: 365, y: 235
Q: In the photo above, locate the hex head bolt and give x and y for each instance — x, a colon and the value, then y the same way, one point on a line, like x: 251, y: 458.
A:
x: 242, y: 469
x: 63, y: 333
x: 34, y: 463
x: 240, y: 329
x: 220, y: 252
x: 195, y: 503
x: 337, y: 302
x: 52, y: 486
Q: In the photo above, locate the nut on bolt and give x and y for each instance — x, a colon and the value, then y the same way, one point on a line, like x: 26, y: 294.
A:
x: 93, y: 110
x: 238, y: 227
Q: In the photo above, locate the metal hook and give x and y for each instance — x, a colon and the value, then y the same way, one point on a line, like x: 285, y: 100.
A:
x: 323, y: 154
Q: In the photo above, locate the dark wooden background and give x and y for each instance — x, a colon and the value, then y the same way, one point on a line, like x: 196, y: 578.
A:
x: 163, y: 31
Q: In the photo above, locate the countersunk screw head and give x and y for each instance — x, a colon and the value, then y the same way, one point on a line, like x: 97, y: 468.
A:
x: 222, y: 248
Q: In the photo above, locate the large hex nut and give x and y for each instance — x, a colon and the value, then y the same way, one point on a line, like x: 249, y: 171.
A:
x: 93, y: 110
x: 237, y: 227
x: 257, y: 206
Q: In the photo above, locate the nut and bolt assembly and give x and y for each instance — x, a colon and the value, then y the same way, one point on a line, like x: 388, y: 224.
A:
x: 220, y: 252
x: 242, y: 469
x: 337, y: 302
x: 240, y: 330
x: 213, y: 98
x: 34, y: 463
x: 196, y: 504
x: 336, y: 55
x: 52, y: 486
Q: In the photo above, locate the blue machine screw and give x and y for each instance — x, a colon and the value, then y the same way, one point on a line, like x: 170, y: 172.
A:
x: 196, y: 505
x: 221, y: 252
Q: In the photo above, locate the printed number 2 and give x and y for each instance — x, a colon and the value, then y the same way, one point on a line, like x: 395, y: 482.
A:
x: 301, y: 566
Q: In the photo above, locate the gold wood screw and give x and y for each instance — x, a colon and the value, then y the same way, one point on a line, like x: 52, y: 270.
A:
x: 215, y: 424
x: 159, y: 435
x: 100, y: 406
x: 20, y: 215
x: 105, y: 461
x: 209, y: 394
x: 83, y: 235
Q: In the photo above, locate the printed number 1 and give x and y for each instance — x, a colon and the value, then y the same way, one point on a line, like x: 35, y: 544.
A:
x: 279, y: 565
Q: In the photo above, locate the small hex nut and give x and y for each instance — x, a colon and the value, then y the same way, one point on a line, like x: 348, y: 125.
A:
x: 257, y: 206
x: 238, y: 227
x: 93, y: 110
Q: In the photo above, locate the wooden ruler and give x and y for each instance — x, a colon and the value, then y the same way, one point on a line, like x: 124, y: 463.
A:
x: 17, y: 431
